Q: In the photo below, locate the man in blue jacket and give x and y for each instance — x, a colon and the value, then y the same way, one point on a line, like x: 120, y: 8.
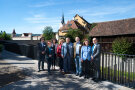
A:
x: 67, y: 55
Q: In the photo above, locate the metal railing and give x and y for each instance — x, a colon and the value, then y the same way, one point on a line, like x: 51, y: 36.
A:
x: 118, y: 68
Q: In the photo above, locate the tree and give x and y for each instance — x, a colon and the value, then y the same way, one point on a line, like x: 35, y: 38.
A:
x: 4, y: 36
x: 48, y: 33
x: 72, y: 33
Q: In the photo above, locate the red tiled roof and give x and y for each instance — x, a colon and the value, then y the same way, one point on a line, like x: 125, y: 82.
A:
x: 119, y: 27
x: 70, y: 24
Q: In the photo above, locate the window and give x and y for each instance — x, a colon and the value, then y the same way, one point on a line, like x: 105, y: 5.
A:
x: 69, y: 25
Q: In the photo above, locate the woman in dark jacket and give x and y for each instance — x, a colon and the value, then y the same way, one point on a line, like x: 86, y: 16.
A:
x: 54, y: 46
x: 49, y: 55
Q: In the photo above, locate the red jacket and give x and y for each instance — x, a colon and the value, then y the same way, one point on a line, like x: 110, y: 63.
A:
x: 59, y: 50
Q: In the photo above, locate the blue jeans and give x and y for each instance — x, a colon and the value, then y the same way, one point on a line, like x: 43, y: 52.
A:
x: 78, y: 65
x: 67, y: 63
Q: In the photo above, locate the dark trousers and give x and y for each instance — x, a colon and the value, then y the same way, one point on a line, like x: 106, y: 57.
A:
x: 53, y: 60
x: 86, y: 67
x: 67, y: 63
x: 49, y: 61
x: 97, y: 68
x: 41, y: 62
x: 60, y: 59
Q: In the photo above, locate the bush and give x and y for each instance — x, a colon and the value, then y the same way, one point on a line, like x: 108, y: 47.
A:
x: 1, y: 47
x: 122, y: 46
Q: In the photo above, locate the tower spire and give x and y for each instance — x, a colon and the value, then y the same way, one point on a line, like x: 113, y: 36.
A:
x: 63, y: 21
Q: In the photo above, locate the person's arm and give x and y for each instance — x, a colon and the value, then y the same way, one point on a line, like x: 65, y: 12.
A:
x: 47, y: 52
x: 82, y: 54
x: 72, y: 50
x: 39, y: 48
x: 62, y: 51
x: 56, y: 45
x: 98, y: 51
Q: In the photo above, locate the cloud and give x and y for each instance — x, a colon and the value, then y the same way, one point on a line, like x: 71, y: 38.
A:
x: 49, y: 3
x: 103, y: 13
x: 41, y: 21
x: 43, y: 4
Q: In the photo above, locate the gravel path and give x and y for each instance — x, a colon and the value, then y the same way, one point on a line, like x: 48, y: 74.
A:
x: 42, y: 81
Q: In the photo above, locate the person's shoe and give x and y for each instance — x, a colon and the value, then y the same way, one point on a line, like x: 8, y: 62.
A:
x: 93, y: 78
x: 96, y: 80
x: 76, y: 74
x: 85, y: 76
x: 38, y: 70
x: 63, y: 73
x: 80, y: 75
x: 43, y: 69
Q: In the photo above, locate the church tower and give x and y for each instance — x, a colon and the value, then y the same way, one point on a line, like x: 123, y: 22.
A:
x: 62, y: 21
x: 13, y: 33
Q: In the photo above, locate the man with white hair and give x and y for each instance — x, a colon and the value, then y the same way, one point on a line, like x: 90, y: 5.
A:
x: 96, y: 57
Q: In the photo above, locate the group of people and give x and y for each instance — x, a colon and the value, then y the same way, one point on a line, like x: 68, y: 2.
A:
x: 65, y: 52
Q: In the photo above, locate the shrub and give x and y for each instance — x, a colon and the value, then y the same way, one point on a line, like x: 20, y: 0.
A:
x: 122, y: 46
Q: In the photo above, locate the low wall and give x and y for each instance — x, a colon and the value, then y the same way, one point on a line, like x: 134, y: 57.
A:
x: 32, y: 42
x: 29, y: 50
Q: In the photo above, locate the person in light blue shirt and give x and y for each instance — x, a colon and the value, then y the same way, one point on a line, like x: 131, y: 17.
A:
x: 86, y: 57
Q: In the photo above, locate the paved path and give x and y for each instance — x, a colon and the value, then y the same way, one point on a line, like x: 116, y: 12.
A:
x: 56, y: 81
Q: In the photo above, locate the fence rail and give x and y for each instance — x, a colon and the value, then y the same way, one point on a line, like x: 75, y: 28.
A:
x: 118, y: 68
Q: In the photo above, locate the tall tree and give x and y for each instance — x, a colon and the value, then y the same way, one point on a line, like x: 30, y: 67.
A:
x: 72, y: 33
x: 48, y: 33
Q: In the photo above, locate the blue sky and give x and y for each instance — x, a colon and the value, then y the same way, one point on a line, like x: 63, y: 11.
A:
x: 31, y: 16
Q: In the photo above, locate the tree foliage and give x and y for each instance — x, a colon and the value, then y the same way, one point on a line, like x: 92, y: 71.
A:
x: 4, y: 36
x: 72, y: 33
x: 48, y: 33
x: 93, y: 25
x: 122, y: 46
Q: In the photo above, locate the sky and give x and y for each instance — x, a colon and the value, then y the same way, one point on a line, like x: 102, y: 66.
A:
x: 32, y: 16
